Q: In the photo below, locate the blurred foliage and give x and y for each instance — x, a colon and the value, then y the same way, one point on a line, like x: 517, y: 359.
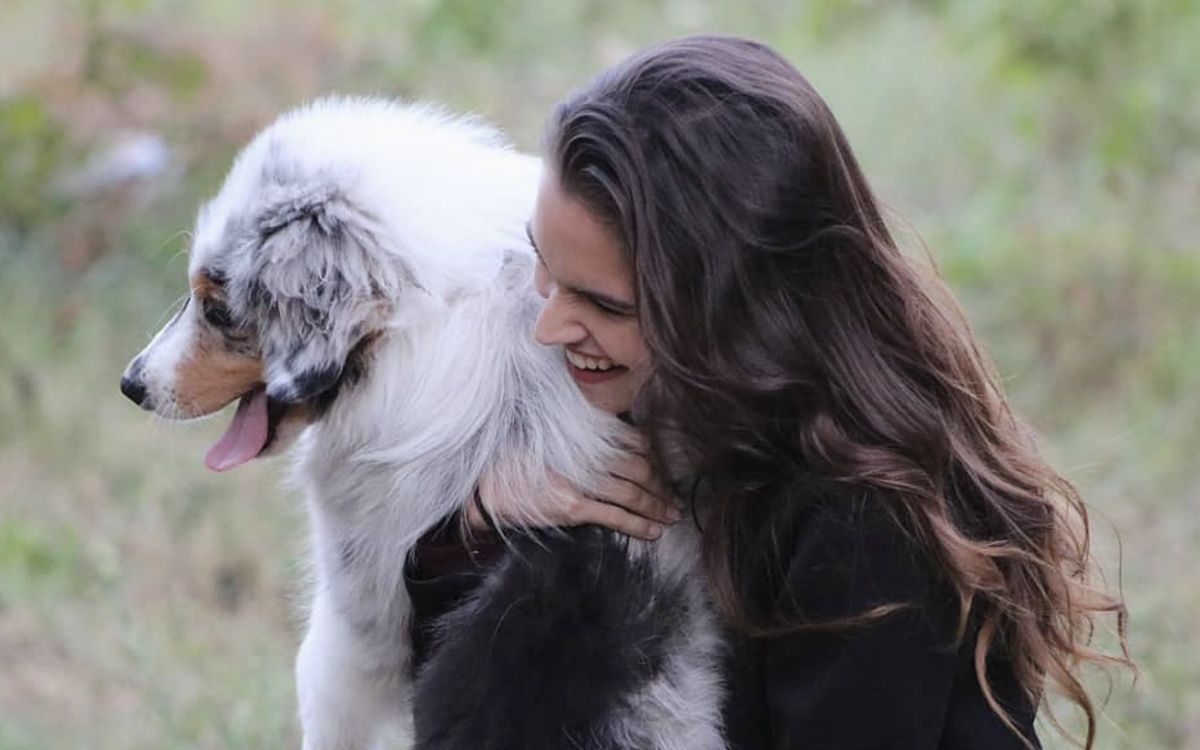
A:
x: 31, y: 556
x: 1045, y: 151
x: 32, y: 144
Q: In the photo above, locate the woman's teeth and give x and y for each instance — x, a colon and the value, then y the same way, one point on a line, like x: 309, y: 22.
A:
x: 589, y: 363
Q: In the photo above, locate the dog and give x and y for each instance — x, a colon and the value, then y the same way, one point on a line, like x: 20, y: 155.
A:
x: 361, y: 286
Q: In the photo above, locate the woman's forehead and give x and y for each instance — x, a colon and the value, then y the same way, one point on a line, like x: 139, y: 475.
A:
x: 577, y: 247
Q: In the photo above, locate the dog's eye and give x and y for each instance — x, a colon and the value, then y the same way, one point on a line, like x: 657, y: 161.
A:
x: 217, y: 314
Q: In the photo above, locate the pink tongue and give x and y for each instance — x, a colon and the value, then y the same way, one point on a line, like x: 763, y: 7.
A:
x: 245, y: 437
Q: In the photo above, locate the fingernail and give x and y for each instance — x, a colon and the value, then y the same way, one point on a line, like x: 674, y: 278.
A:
x: 655, y: 531
x: 674, y: 514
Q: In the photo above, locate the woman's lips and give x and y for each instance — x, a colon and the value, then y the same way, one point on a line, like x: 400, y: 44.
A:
x: 594, y: 376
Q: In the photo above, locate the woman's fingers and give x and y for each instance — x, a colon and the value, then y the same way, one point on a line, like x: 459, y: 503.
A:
x: 635, y: 498
x: 631, y: 500
x: 635, y: 468
x: 634, y: 486
x: 618, y: 519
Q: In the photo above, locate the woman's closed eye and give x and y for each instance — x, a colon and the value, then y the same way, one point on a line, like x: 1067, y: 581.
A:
x: 606, y: 308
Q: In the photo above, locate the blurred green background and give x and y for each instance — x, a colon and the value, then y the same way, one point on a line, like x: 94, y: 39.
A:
x: 1046, y: 151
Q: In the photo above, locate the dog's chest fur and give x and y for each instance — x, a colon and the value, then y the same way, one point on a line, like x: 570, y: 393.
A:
x: 387, y: 243
x: 580, y: 640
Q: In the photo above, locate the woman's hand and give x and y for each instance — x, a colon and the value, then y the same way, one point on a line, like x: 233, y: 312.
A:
x: 632, y: 502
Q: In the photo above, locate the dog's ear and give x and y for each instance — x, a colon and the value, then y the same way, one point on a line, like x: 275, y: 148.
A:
x: 319, y: 282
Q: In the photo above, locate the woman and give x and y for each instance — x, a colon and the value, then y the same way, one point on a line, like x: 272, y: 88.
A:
x: 896, y: 565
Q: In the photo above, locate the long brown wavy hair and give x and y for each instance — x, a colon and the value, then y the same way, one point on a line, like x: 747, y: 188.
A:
x: 787, y: 328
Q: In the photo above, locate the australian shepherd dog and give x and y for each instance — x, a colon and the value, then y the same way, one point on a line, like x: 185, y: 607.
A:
x: 361, y: 287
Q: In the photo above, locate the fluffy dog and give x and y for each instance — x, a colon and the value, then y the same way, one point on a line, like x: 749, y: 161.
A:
x: 361, y: 286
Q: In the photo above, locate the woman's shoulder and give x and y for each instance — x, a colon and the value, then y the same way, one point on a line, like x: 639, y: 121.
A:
x: 816, y: 548
x: 884, y: 665
x: 801, y: 512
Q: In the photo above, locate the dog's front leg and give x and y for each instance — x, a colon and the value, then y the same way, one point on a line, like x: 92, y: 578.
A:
x: 347, y: 697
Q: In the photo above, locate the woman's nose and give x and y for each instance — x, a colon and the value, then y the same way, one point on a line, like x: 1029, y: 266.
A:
x: 556, y: 326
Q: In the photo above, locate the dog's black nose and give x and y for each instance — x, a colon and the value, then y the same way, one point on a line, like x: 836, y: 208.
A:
x: 134, y: 389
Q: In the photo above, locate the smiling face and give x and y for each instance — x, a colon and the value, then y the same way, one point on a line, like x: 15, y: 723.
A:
x: 590, y: 309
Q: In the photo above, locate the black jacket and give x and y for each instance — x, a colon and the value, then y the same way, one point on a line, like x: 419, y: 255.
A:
x: 815, y: 551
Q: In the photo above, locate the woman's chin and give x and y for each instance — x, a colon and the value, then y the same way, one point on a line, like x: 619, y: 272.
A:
x: 608, y: 390
x: 609, y: 397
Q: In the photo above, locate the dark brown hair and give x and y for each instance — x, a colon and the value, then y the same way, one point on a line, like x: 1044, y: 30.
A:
x: 787, y: 329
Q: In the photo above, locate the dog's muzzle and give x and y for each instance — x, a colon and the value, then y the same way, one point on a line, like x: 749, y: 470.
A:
x: 132, y: 384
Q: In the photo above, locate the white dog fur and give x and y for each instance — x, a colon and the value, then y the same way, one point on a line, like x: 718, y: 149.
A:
x: 393, y: 236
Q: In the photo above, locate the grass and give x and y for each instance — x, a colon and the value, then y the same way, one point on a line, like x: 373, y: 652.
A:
x: 143, y: 603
